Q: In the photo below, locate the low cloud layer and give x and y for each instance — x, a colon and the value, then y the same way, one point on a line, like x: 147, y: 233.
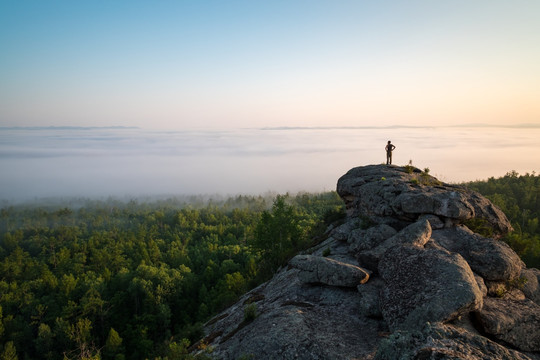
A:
x: 43, y: 162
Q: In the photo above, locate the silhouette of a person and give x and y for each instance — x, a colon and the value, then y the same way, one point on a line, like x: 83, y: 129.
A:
x: 389, y: 148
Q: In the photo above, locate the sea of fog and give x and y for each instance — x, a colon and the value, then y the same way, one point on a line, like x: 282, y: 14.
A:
x: 133, y: 162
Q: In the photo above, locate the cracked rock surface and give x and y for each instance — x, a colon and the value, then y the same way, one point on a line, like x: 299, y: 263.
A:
x: 405, y: 279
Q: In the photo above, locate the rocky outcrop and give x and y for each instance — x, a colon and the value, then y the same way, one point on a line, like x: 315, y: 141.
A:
x: 396, y: 196
x: 403, y: 277
x: 295, y: 320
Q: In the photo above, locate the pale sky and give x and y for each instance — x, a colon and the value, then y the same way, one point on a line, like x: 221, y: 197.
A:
x: 222, y: 64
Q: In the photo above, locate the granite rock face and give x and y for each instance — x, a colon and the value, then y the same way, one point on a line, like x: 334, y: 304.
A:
x: 444, y: 342
x: 396, y: 196
x: 531, y: 287
x: 516, y: 322
x: 321, y: 270
x: 295, y: 320
x: 493, y: 260
x: 426, y: 285
x: 360, y: 239
x: 405, y: 279
x: 417, y: 234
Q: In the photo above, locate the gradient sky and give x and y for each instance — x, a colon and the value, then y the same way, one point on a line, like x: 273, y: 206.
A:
x: 221, y: 64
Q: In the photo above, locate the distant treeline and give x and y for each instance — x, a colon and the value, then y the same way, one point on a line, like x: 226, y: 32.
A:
x: 131, y: 280
x: 518, y: 196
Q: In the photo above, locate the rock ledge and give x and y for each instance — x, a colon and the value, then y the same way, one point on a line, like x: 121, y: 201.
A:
x: 405, y: 279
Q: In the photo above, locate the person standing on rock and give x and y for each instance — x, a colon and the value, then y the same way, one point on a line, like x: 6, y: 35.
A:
x: 389, y: 148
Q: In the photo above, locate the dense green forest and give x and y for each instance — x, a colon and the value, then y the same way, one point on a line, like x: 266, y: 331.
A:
x: 130, y: 280
x: 519, y: 198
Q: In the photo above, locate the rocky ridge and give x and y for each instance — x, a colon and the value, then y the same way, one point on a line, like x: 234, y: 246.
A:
x: 403, y: 277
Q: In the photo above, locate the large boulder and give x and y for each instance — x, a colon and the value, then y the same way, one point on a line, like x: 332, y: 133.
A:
x: 516, y: 322
x: 396, y: 195
x: 368, y: 192
x: 448, y: 204
x: 416, y: 234
x: 321, y: 270
x: 425, y: 285
x: 488, y: 212
x: 366, y: 239
x: 343, y: 231
x: 492, y: 259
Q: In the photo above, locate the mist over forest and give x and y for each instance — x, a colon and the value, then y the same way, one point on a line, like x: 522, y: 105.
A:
x: 123, y: 162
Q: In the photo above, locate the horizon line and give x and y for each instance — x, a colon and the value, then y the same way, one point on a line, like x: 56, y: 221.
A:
x: 367, y: 127
x: 52, y: 127
x: 278, y: 128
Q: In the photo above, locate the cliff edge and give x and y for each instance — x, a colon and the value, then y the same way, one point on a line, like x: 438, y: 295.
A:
x: 403, y: 277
